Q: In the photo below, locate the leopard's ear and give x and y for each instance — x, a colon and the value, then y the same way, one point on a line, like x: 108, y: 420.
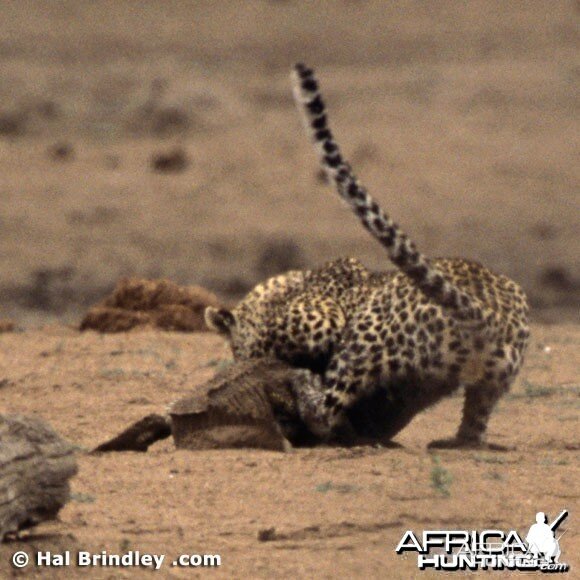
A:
x: 220, y: 320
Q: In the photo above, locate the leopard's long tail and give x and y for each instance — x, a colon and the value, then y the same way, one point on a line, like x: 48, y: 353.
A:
x: 402, y: 251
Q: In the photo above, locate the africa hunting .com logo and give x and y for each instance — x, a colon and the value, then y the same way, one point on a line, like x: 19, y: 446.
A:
x: 489, y: 549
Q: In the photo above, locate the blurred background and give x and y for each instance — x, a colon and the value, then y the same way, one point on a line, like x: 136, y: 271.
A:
x: 159, y: 139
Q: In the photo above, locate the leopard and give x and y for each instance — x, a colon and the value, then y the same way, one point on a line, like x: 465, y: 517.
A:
x: 377, y: 348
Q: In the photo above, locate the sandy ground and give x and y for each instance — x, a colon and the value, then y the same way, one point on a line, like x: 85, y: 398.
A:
x: 159, y: 139
x: 334, y: 510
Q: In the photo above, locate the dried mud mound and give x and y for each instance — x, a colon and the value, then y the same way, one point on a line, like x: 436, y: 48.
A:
x: 160, y: 304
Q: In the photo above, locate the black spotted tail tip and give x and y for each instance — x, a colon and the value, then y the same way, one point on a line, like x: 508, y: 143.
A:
x: 308, y: 83
x: 302, y: 70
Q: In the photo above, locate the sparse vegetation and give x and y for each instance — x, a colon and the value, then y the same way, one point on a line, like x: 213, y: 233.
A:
x: 498, y: 459
x: 124, y: 545
x: 82, y: 497
x: 494, y: 475
x: 441, y: 478
x: 339, y: 487
x: 533, y: 391
x: 219, y: 364
x: 549, y: 461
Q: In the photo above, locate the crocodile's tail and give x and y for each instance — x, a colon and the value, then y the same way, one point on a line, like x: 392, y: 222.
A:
x: 402, y: 251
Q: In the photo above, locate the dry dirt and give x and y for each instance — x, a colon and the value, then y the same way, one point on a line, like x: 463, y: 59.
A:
x: 333, y: 510
x: 159, y: 140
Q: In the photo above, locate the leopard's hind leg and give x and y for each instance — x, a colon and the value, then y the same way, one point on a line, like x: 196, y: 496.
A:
x: 481, y: 397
